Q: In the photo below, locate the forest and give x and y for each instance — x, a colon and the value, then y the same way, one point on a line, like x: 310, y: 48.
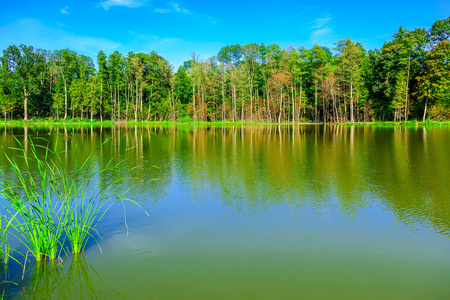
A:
x: 407, y: 79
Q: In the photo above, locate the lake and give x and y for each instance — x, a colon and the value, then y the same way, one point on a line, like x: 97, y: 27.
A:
x: 258, y: 212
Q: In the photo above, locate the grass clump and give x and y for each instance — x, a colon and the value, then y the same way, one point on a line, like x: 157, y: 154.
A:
x: 87, y: 193
x: 40, y: 226
x: 49, y: 204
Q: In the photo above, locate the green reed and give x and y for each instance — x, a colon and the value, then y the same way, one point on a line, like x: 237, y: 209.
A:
x: 48, y: 203
x: 4, y: 255
x: 4, y: 247
x: 92, y: 186
x: 30, y: 190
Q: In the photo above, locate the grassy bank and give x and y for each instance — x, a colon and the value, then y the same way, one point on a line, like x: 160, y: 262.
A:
x: 49, y: 121
x: 408, y: 123
x: 57, y: 121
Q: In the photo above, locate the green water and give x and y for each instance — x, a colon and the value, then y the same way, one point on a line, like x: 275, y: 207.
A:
x: 261, y: 212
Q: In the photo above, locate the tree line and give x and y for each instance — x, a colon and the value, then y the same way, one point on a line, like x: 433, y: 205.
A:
x: 408, y: 78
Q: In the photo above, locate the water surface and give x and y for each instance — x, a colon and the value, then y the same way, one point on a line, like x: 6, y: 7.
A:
x: 261, y: 212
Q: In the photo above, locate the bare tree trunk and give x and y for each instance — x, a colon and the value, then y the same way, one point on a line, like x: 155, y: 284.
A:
x: 251, y: 99
x: 301, y: 91
x: 111, y: 100
x: 170, y: 105
x: 65, y: 98
x: 425, y: 111
x: 223, y: 98
x: 193, y: 99
x: 148, y: 113
x: 200, y: 102
x: 25, y: 103
x: 407, y: 89
x: 345, y: 108
x: 118, y: 104
x: 324, y: 104
x: 242, y: 105
x: 352, y: 117
x: 136, y: 102
x: 127, y: 102
x: 203, y: 105
x: 173, y: 106
x: 101, y: 97
x: 141, y: 97
x: 268, y: 104
x: 293, y: 103
x: 149, y: 103
x: 315, y: 102
x: 234, y: 103
x: 281, y: 104
x: 333, y: 99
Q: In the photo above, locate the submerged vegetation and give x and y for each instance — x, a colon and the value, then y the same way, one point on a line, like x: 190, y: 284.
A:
x: 408, y: 78
x: 49, y: 207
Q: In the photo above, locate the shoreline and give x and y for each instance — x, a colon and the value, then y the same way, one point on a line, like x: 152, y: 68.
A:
x: 114, y: 123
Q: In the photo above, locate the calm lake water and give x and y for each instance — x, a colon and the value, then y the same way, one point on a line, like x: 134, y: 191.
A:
x: 260, y: 212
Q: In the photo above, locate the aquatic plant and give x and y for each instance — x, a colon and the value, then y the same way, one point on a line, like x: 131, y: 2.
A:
x: 3, y: 243
x: 87, y: 193
x: 4, y: 247
x: 48, y: 203
x: 31, y: 192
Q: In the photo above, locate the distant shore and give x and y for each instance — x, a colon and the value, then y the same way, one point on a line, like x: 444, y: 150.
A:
x: 123, y: 122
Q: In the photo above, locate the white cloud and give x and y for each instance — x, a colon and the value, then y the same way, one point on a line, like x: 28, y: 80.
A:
x: 321, y: 32
x: 176, y: 7
x: 64, y: 10
x: 35, y: 33
x: 162, y: 11
x: 150, y: 39
x: 320, y: 22
x: 127, y: 3
x: 173, y: 7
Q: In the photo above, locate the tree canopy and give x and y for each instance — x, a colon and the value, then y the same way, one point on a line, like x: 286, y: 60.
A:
x: 408, y: 78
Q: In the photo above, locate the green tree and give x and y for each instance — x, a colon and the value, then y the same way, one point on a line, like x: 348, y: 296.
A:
x: 440, y: 31
x: 65, y: 61
x: 22, y: 64
x: 317, y: 59
x: 103, y: 78
x: 183, y: 88
x: 434, y: 79
x: 350, y: 58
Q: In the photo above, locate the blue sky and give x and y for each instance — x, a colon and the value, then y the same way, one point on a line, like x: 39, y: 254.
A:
x: 175, y: 29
